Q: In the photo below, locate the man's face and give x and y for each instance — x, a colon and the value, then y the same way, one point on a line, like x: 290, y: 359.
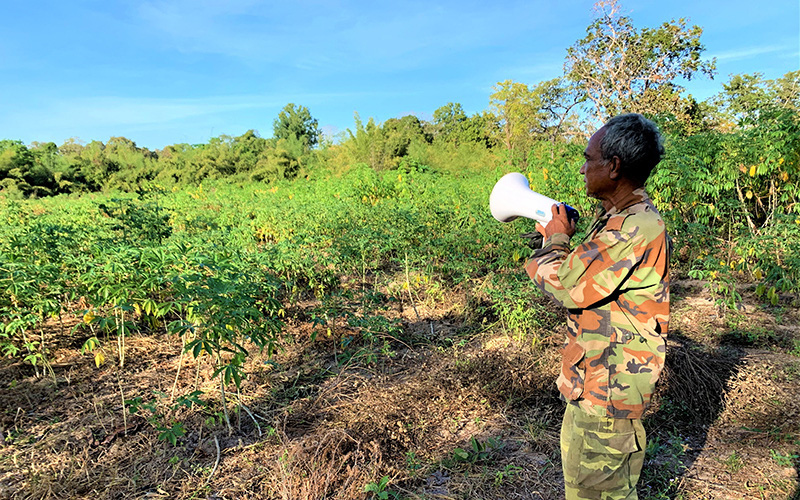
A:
x: 595, y: 170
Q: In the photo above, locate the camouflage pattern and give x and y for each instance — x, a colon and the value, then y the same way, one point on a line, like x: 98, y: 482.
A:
x: 602, y: 457
x: 615, y: 286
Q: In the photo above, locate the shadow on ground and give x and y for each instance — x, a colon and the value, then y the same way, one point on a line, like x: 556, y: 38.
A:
x: 688, y: 400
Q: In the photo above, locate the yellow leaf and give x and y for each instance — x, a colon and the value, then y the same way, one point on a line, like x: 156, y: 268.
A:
x: 784, y: 176
x: 752, y: 171
x: 99, y: 358
x: 749, y: 194
x: 88, y: 317
x: 758, y: 274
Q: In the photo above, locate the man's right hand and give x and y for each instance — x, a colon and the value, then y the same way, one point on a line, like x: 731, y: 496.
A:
x: 560, y: 223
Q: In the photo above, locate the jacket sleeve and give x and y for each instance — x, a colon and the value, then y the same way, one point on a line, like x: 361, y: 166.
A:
x: 590, y: 273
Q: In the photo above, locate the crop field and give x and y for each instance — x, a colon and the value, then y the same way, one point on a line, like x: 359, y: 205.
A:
x: 369, y: 335
x: 331, y: 313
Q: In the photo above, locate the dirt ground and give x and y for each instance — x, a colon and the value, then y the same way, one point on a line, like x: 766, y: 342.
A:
x: 450, y: 411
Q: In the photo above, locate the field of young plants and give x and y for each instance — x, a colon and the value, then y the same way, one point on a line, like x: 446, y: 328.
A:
x: 368, y: 335
x: 305, y: 317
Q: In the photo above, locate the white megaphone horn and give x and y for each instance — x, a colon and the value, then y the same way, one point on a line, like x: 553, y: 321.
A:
x: 512, y: 197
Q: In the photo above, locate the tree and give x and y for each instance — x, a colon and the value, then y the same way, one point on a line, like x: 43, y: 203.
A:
x: 452, y: 125
x: 746, y: 97
x: 557, y: 100
x: 296, y: 122
x: 399, y: 133
x: 247, y: 148
x: 366, y: 144
x: 621, y: 69
x: 519, y: 116
x: 448, y: 122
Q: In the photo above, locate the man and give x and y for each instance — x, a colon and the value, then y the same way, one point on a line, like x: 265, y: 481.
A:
x: 615, y: 286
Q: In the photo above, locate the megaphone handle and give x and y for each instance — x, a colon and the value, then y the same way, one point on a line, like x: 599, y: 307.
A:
x: 572, y: 214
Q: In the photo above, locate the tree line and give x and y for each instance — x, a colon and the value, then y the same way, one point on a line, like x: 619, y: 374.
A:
x: 615, y: 68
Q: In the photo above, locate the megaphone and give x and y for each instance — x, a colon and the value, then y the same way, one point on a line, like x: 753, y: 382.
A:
x: 512, y: 197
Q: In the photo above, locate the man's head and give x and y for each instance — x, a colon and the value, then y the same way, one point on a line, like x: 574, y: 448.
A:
x: 637, y: 143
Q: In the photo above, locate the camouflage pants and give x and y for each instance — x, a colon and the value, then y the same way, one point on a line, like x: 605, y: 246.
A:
x: 602, y: 457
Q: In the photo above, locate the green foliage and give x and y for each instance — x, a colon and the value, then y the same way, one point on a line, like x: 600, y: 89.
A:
x: 478, y: 451
x: 664, y: 463
x: 508, y: 473
x: 25, y: 172
x: 745, y: 98
x: 383, y: 146
x: 169, y: 429
x: 620, y: 68
x: 719, y: 188
x: 296, y: 123
x: 785, y: 460
x: 138, y: 219
x: 734, y: 463
x: 519, y: 118
x: 227, y: 300
x: 379, y: 490
x: 451, y: 125
x: 398, y: 134
x: 524, y: 116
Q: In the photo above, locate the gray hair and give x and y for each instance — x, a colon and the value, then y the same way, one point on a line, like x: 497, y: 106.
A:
x: 636, y: 141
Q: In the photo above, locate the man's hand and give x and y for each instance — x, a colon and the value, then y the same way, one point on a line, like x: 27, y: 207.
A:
x: 560, y: 223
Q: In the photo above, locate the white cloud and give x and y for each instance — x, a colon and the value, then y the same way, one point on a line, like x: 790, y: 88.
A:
x: 750, y: 52
x: 109, y: 111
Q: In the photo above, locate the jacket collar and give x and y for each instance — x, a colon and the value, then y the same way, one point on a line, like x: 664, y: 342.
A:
x: 636, y: 196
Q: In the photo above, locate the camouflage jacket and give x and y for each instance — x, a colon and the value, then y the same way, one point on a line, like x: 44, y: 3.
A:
x: 615, y: 286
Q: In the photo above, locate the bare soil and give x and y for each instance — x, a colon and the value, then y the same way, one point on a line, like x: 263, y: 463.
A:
x: 449, y: 411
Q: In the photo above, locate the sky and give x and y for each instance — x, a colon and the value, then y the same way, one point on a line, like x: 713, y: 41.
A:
x: 163, y: 72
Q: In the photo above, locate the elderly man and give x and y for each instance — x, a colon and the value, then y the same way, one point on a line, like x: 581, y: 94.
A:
x: 615, y: 286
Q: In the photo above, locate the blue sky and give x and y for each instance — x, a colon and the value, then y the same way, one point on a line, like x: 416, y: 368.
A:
x: 162, y: 72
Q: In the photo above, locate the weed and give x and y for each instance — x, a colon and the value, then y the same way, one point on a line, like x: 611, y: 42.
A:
x: 751, y: 336
x: 734, y: 463
x: 663, y: 465
x: 784, y: 460
x: 412, y: 462
x: 795, y: 350
x: 786, y: 373
x: 479, y: 451
x: 508, y: 472
x: 535, y: 430
x: 169, y: 430
x: 378, y: 490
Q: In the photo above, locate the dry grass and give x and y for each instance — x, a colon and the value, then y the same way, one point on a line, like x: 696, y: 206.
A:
x: 317, y: 429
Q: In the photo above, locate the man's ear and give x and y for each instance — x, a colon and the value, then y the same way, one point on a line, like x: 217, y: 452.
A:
x: 615, y: 168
